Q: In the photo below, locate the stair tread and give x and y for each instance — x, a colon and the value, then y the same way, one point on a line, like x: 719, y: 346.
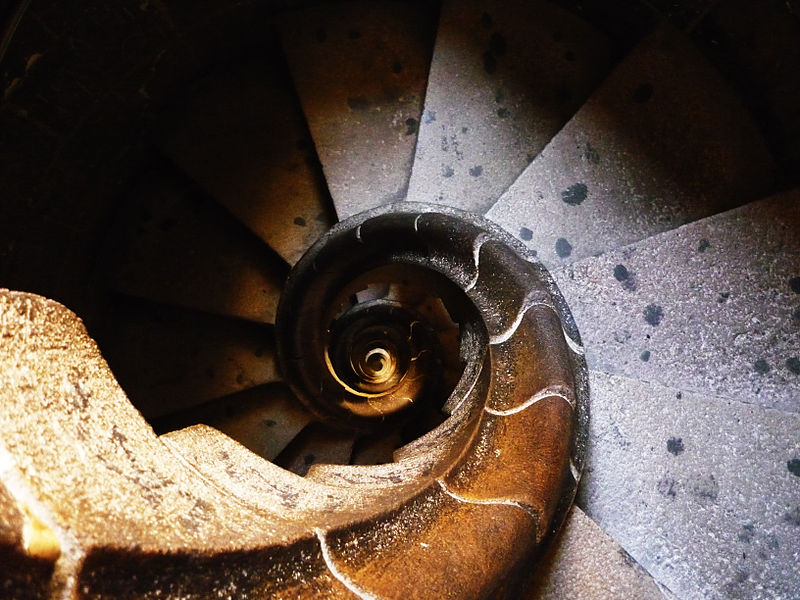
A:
x: 701, y: 491
x: 584, y: 562
x: 360, y: 70
x: 173, y: 245
x: 713, y: 306
x: 314, y: 445
x: 264, y: 419
x: 243, y: 138
x: 168, y: 359
x: 662, y: 142
x: 503, y: 80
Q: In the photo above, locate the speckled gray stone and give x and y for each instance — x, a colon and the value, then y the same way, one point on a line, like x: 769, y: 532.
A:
x: 663, y: 141
x: 585, y: 563
x: 504, y: 78
x: 713, y: 306
x: 360, y: 70
x: 243, y: 138
x: 699, y: 490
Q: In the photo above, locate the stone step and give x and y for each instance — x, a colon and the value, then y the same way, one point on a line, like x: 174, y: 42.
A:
x: 174, y: 245
x: 703, y: 492
x: 713, y: 306
x: 503, y: 80
x: 663, y: 141
x: 169, y: 359
x: 360, y: 70
x: 585, y: 563
x: 242, y: 138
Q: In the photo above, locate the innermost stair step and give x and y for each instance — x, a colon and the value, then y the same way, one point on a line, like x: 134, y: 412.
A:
x: 713, y: 306
x: 662, y: 142
x: 504, y: 78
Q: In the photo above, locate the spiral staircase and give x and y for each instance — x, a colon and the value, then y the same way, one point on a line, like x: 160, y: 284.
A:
x: 166, y: 166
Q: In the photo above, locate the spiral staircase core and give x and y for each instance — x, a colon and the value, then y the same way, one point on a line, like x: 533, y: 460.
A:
x: 337, y: 255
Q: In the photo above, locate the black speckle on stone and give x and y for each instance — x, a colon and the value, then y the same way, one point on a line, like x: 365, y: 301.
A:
x: 793, y: 364
x: 574, y: 194
x: 525, y: 234
x: 486, y: 20
x: 645, y: 356
x: 320, y: 35
x: 761, y: 366
x: 354, y: 34
x: 563, y: 248
x: 746, y: 533
x: 621, y: 273
x: 653, y: 314
x: 796, y: 316
x: 269, y: 423
x: 569, y: 55
x: 502, y: 112
x: 563, y: 94
x: 794, y: 466
x: 489, y: 63
x: 476, y: 171
x: 448, y: 172
x: 675, y: 446
x: 397, y: 67
x: 309, y: 458
x: 359, y: 103
x: 722, y: 297
x: 300, y: 221
x: 679, y: 395
x: 497, y: 44
x: 411, y: 126
x: 429, y: 116
x: 464, y: 129
x: 793, y: 516
x: 703, y: 245
x: 591, y: 155
x: 667, y: 487
x: 704, y: 487
x: 794, y: 284
x: 643, y: 93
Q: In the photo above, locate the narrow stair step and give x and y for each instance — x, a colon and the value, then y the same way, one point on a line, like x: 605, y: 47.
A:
x: 243, y: 138
x: 503, y: 80
x: 583, y: 562
x: 169, y: 359
x: 662, y: 142
x: 713, y: 306
x: 703, y: 492
x: 317, y: 444
x: 174, y: 245
x: 263, y: 419
x: 360, y: 70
